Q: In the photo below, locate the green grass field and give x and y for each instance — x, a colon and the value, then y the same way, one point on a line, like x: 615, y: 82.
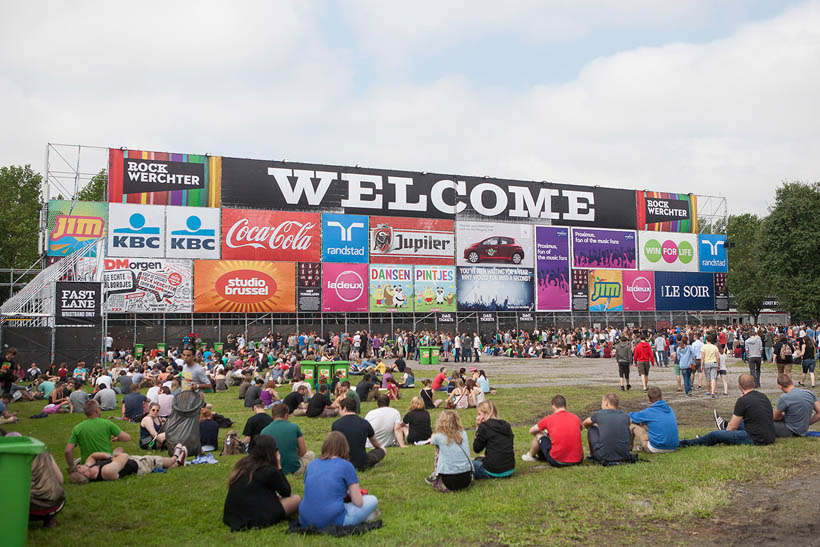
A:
x: 539, y: 505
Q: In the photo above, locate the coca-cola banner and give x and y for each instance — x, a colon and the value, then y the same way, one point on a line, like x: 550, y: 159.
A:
x: 411, y: 241
x: 344, y: 287
x: 244, y: 286
x: 271, y: 235
x: 639, y: 291
x: 364, y: 191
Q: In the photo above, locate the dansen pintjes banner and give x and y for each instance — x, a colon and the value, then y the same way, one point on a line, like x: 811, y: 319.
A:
x: 552, y: 268
x: 244, y: 286
x: 494, y: 243
x: 665, y: 212
x: 713, y: 253
x: 344, y: 238
x: 639, y: 291
x: 665, y: 251
x: 344, y: 287
x: 597, y: 248
x: 684, y: 291
x: 192, y: 232
x: 160, y: 178
x: 411, y: 240
x: 391, y: 288
x: 136, y: 285
x: 364, y: 191
x: 606, y: 291
x: 75, y: 225
x: 435, y: 288
x: 136, y: 230
x: 271, y: 235
x: 491, y: 288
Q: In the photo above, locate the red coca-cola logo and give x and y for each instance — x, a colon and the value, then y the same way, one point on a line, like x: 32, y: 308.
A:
x: 268, y: 235
x: 245, y: 286
x: 288, y: 235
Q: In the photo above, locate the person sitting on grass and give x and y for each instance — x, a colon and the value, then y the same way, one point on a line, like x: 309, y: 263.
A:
x: 345, y: 392
x: 107, y: 398
x: 393, y: 389
x: 7, y: 417
x: 255, y: 423
x: 453, y: 465
x: 93, y: 435
x: 290, y: 441
x: 655, y: 427
x: 384, y: 420
x: 133, y: 404
x: 796, y: 409
x: 100, y: 466
x: 295, y: 401
x: 259, y: 495
x: 268, y: 395
x: 329, y: 481
x: 496, y: 437
x: 152, y: 436
x: 208, y: 431
x: 358, y: 432
x: 415, y: 427
x: 752, y: 420
x: 459, y: 398
x: 440, y: 381
x: 367, y: 390
x: 557, y: 437
x: 608, y: 432
x: 320, y: 405
x: 409, y: 379
x: 428, y: 395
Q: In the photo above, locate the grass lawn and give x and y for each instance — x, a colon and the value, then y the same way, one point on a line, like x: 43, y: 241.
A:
x: 538, y: 505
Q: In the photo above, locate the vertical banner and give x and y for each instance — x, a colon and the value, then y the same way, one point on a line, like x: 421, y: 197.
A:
x: 344, y: 287
x: 136, y: 231
x: 309, y: 286
x: 244, y: 286
x: 494, y: 243
x: 435, y: 288
x: 684, y: 291
x: 713, y: 253
x: 249, y: 234
x: 580, y: 290
x: 77, y: 304
x: 721, y: 292
x: 552, y: 268
x: 639, y: 291
x: 483, y: 288
x: 192, y: 232
x: 597, y: 248
x: 148, y: 286
x: 391, y: 288
x: 74, y: 225
x: 665, y: 212
x: 344, y: 238
x: 606, y: 290
x: 669, y: 252
x: 396, y: 240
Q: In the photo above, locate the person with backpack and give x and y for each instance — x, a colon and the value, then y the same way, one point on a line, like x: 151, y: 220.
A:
x: 623, y: 356
x: 783, y: 351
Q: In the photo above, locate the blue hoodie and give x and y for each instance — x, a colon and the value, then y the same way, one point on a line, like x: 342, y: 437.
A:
x: 662, y: 425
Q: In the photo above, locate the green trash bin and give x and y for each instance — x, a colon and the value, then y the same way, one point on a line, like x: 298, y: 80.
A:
x: 219, y: 347
x: 308, y: 369
x: 434, y: 355
x: 424, y: 355
x: 138, y: 349
x: 16, y: 454
x: 324, y: 370
x: 161, y: 347
x: 343, y: 366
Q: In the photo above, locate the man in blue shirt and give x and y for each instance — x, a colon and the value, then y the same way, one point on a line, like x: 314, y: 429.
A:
x: 655, y: 427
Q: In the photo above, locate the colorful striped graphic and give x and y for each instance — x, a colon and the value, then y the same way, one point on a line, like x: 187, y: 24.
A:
x: 655, y: 201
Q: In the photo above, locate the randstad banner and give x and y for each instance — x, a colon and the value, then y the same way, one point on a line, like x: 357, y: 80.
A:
x: 244, y: 286
x: 73, y: 225
x: 606, y: 291
x: 713, y: 253
x: 684, y: 291
x: 344, y: 238
x: 391, y: 288
x: 136, y: 230
x: 344, y: 287
x: 666, y: 251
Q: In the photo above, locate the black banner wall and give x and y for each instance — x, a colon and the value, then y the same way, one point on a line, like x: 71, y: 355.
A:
x: 77, y: 303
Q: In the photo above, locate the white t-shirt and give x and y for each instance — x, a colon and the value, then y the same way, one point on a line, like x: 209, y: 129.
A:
x: 153, y: 393
x: 383, y: 419
x: 104, y: 379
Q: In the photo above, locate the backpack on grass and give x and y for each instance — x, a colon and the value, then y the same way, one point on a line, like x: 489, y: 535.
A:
x: 232, y: 445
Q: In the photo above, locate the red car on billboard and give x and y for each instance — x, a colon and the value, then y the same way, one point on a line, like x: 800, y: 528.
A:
x: 495, y: 248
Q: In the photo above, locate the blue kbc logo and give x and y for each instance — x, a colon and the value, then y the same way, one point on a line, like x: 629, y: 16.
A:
x: 139, y: 236
x: 344, y: 238
x: 713, y: 253
x: 194, y: 237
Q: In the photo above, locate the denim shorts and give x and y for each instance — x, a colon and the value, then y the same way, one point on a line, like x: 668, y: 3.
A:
x: 808, y: 365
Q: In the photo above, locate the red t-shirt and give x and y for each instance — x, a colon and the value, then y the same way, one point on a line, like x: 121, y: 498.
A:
x: 438, y: 380
x: 565, y: 433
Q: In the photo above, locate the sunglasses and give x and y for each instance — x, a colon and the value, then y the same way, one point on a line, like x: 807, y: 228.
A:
x: 154, y: 410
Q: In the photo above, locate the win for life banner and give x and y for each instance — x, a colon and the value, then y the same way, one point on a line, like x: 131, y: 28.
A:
x: 78, y: 304
x: 140, y: 285
x: 552, y: 268
x: 597, y: 248
x: 668, y: 251
x: 483, y: 288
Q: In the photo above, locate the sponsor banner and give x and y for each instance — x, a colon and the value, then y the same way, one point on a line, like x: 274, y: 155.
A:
x: 668, y: 252
x: 435, y: 288
x: 77, y: 304
x: 722, y: 292
x: 639, y: 291
x: 494, y: 243
x: 552, y: 268
x: 613, y: 249
x: 580, y: 290
x: 271, y: 235
x: 148, y: 286
x: 74, y: 225
x: 713, y: 253
x: 309, y: 286
x: 363, y: 191
x: 684, y: 291
x: 447, y: 317
x: 344, y: 238
x: 486, y: 317
x: 85, y: 269
x: 411, y: 240
x: 526, y: 317
x: 244, y: 286
x: 391, y: 288
x: 192, y: 232
x: 665, y: 212
x: 606, y: 290
x: 344, y: 287
x: 136, y: 230
x: 494, y: 288
x: 160, y: 178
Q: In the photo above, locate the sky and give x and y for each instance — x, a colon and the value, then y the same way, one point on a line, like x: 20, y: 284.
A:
x: 708, y: 97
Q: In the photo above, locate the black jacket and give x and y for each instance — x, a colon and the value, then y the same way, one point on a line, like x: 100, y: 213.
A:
x: 497, y: 437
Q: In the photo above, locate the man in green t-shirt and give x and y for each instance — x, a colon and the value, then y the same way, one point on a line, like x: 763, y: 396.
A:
x: 93, y: 435
x: 290, y: 442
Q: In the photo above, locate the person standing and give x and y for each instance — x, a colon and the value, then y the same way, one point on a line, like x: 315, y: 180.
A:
x: 685, y: 360
x: 808, y: 352
x: 476, y: 347
x: 754, y: 353
x: 697, y: 347
x: 623, y: 356
x: 769, y: 339
x: 193, y: 375
x: 710, y: 353
x: 661, y: 357
x: 643, y: 357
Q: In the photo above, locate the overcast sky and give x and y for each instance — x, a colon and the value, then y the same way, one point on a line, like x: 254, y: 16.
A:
x: 710, y: 97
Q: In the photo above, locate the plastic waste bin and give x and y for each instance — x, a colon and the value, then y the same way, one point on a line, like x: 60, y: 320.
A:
x: 424, y: 355
x: 138, y: 349
x: 343, y: 366
x: 161, y: 347
x: 308, y: 370
x: 16, y: 454
x: 434, y: 355
x: 324, y: 370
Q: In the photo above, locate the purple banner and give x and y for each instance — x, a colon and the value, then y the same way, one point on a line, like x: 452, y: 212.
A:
x: 552, y: 268
x: 612, y: 249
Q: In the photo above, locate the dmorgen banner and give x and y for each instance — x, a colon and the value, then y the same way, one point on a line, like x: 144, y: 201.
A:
x: 552, y: 268
x: 665, y: 212
x: 684, y: 291
x: 75, y: 225
x: 495, y: 288
x: 435, y: 288
x: 665, y: 251
x: 639, y: 291
x: 411, y: 240
x: 271, y: 235
x: 613, y: 249
x: 344, y: 287
x: 77, y: 304
x: 391, y: 288
x: 364, y: 191
x: 606, y: 291
x: 139, y: 285
x: 244, y: 286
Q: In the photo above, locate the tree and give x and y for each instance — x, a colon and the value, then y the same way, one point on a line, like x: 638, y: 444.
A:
x: 789, y: 245
x: 20, y: 203
x: 95, y: 189
x: 746, y: 279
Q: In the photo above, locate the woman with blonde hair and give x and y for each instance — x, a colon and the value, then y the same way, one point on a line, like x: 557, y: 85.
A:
x: 459, y: 397
x: 496, y: 436
x: 415, y: 427
x: 454, y: 467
